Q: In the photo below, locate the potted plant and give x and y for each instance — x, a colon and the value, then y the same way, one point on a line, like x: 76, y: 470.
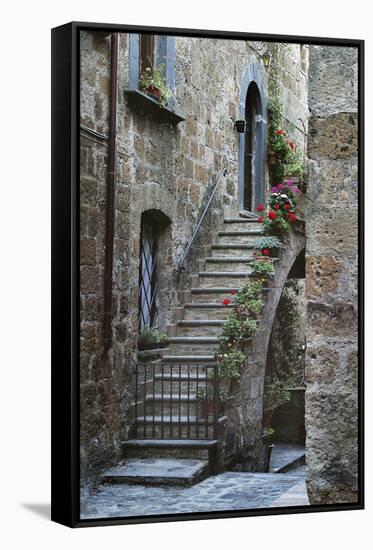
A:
x: 206, y: 399
x: 262, y: 270
x: 151, y: 338
x: 276, y: 393
x: 269, y: 245
x: 153, y: 82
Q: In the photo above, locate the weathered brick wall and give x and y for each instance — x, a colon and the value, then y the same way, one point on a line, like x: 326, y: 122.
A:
x: 331, y: 276
x: 159, y: 166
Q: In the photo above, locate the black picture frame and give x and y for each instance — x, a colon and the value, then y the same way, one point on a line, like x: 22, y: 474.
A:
x: 65, y: 271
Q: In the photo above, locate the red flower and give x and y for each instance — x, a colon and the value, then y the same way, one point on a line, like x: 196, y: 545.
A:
x: 260, y: 218
x: 234, y: 291
x: 260, y: 207
x: 265, y: 252
x: 287, y: 206
x: 272, y: 215
x: 226, y: 302
x: 292, y: 146
x: 280, y: 132
x: 277, y: 206
x: 292, y: 217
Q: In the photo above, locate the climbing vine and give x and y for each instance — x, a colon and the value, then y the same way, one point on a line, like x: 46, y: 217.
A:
x: 242, y: 323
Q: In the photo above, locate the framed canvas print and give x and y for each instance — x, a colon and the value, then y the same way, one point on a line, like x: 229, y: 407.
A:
x: 207, y: 192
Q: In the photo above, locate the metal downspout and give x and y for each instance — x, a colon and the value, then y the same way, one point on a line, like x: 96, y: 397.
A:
x: 110, y: 196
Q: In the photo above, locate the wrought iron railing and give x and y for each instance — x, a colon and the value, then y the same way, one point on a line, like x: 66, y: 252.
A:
x: 176, y: 401
x: 200, y: 220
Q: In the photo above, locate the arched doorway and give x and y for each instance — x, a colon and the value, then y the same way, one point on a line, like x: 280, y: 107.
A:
x: 253, y: 140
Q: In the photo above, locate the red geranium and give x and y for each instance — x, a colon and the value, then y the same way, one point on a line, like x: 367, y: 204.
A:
x: 292, y: 217
x: 292, y: 146
x: 277, y: 206
x: 260, y: 218
x: 260, y: 207
x: 226, y: 302
x: 280, y: 132
x: 265, y: 252
x: 287, y: 206
x: 234, y: 291
x: 272, y: 215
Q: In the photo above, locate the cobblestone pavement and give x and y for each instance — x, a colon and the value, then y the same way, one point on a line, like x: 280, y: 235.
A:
x: 227, y: 491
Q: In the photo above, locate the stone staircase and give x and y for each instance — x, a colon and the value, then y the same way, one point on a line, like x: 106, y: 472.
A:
x: 169, y: 423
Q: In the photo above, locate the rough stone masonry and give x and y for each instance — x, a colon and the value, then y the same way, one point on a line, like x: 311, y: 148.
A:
x: 331, y: 277
x: 163, y: 167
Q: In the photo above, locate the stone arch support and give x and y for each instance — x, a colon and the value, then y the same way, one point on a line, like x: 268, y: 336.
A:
x: 247, y: 405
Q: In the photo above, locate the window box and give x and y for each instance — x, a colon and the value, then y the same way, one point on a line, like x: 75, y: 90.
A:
x: 145, y: 104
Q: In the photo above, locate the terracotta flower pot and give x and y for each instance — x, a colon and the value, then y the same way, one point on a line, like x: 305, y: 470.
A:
x: 152, y: 90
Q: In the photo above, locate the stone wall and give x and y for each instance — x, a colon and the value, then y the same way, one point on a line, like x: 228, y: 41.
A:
x: 331, y: 276
x: 160, y: 166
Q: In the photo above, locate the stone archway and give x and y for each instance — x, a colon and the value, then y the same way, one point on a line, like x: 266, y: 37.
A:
x: 245, y: 416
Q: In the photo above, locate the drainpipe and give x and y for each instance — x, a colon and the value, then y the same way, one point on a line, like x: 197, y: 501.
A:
x: 110, y: 217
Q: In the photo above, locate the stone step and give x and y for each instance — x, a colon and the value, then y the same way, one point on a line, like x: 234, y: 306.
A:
x: 235, y: 263
x: 200, y: 327
x: 253, y: 221
x: 207, y: 311
x: 191, y: 358
x: 237, y: 223
x: 285, y: 456
x: 175, y: 426
x: 158, y: 471
x: 212, y: 279
x: 196, y: 349
x: 166, y: 448
x: 232, y: 250
x: 199, y: 340
x: 175, y: 405
x: 236, y: 237
x: 217, y: 294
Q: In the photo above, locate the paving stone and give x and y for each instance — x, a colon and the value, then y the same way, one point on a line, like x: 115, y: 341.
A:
x: 227, y: 491
x: 284, y: 455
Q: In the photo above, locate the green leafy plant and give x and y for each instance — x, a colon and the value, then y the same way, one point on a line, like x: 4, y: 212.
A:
x: 154, y: 80
x: 281, y: 208
x: 276, y: 392
x: 151, y: 335
x: 269, y: 242
x: 208, y: 394
x: 236, y: 328
x: 263, y: 270
x: 249, y: 299
x: 230, y: 364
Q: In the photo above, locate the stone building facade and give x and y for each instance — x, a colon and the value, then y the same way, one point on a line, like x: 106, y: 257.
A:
x: 331, y: 276
x: 167, y: 162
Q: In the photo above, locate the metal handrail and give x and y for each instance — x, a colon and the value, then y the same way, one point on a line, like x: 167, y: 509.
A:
x: 189, y: 245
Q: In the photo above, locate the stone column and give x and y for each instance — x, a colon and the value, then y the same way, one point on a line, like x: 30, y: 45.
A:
x: 331, y: 277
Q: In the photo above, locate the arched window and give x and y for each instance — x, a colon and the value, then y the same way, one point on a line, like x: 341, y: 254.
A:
x: 253, y: 140
x: 153, y: 222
